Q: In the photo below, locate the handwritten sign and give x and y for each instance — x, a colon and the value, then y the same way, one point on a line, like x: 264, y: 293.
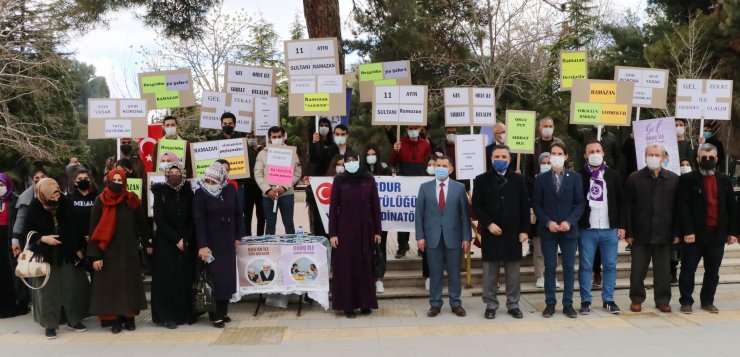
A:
x: 651, y: 85
x: 600, y: 102
x: 573, y: 65
x: 266, y: 115
x: 317, y: 95
x: 167, y: 89
x: 383, y: 74
x: 232, y: 150
x: 520, y: 134
x: 470, y: 156
x: 250, y: 80
x: 316, y: 56
x: 395, y: 105
x: 470, y: 106
x: 116, y: 118
x: 217, y: 103
x: 707, y: 98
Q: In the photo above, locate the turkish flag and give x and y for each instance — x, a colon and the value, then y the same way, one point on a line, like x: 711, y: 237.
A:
x: 146, y: 146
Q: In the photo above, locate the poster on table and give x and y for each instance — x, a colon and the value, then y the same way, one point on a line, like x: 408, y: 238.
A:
x: 396, y: 73
x: 217, y: 103
x: 400, y: 105
x: 310, y: 57
x: 573, y: 65
x: 397, y: 200
x: 601, y: 102
x: 249, y: 80
x: 313, y: 95
x: 470, y: 156
x: 167, y: 89
x: 521, y: 131
x: 651, y: 85
x: 470, y: 106
x: 175, y: 146
x: 259, y: 269
x: 232, y: 150
x: 657, y: 131
x: 710, y: 99
x: 305, y: 266
x: 134, y: 185
x: 116, y: 118
x: 280, y: 165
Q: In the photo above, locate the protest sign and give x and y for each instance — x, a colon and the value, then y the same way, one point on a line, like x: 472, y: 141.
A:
x: 134, y: 185
x: 398, y: 105
x: 250, y: 80
x: 116, y: 118
x: 651, y: 85
x: 316, y: 56
x: 167, y: 89
x: 396, y: 73
x: 397, y: 200
x: 470, y: 156
x: 520, y: 134
x: 600, y: 102
x: 232, y: 150
x: 317, y: 95
x: 573, y: 65
x: 704, y: 99
x: 280, y: 165
x: 469, y: 106
x: 266, y: 115
x: 657, y: 131
x: 176, y: 146
x: 217, y: 103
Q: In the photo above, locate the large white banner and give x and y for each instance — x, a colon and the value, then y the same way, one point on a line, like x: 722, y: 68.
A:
x: 397, y: 200
x: 657, y: 131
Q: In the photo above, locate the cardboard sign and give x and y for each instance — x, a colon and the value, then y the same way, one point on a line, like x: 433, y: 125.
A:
x: 232, y: 150
x: 116, y: 118
x: 600, y: 102
x: 178, y: 147
x: 470, y: 106
x: 280, y: 165
x: 317, y: 95
x: 266, y: 115
x: 520, y: 135
x: 651, y: 85
x: 573, y: 65
x: 167, y: 89
x: 405, y: 105
x: 470, y: 156
x: 316, y: 56
x: 707, y: 98
x: 134, y: 185
x: 250, y: 80
x: 217, y: 103
x: 396, y: 73
x: 657, y: 131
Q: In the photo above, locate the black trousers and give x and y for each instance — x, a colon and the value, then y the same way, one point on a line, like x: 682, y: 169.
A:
x: 403, y: 241
x: 712, y: 249
x: 222, y: 309
x: 597, y: 261
x: 642, y: 254
x: 253, y: 199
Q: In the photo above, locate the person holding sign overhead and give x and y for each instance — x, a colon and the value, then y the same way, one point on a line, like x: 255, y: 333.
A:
x: 320, y: 157
x: 126, y: 152
x: 321, y: 140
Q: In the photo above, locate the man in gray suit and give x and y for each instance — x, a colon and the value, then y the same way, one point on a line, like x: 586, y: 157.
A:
x: 443, y: 232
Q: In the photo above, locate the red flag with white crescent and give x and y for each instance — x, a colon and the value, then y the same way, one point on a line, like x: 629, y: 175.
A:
x: 146, y: 146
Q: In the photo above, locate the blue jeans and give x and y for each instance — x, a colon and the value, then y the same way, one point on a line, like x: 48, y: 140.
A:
x: 285, y: 206
x: 606, y: 241
x: 568, y: 248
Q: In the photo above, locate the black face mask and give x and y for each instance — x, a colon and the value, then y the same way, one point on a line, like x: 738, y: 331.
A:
x: 83, y: 184
x: 707, y: 163
x: 52, y: 203
x: 126, y: 149
x: 228, y: 129
x: 115, y: 187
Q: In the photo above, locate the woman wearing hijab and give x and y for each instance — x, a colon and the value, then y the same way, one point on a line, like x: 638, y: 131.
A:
x: 354, y: 226
x: 376, y: 168
x: 10, y: 302
x: 219, y: 227
x: 172, y: 257
x: 118, y: 227
x: 54, y: 234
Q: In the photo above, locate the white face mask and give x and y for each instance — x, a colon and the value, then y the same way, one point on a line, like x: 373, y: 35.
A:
x: 340, y: 140
x: 213, y: 188
x: 684, y: 170
x: 323, y: 130
x: 595, y: 159
x: 653, y: 162
x: 557, y: 161
x: 680, y: 130
x: 547, y: 132
x: 503, y: 138
x: 170, y: 131
x: 277, y: 141
x: 413, y: 133
x: 340, y: 169
x: 430, y: 170
x: 451, y: 138
x: 545, y: 168
x: 352, y: 166
x: 371, y: 159
x: 163, y: 166
x: 3, y: 191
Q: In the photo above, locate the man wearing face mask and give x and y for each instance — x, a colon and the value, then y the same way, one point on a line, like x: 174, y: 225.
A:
x: 321, y: 157
x: 228, y: 128
x: 602, y: 188
x: 685, y: 144
x: 710, y: 137
x: 501, y: 203
x: 499, y: 138
x: 127, y: 152
x: 708, y: 218
x: 648, y: 223
x: 541, y: 144
x: 609, y: 141
x: 170, y: 127
x: 408, y: 155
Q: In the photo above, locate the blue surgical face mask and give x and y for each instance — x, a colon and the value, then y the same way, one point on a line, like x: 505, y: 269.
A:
x: 441, y: 172
x: 340, y: 140
x: 707, y: 135
x: 500, y: 165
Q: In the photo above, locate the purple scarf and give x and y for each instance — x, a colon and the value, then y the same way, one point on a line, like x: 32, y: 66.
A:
x: 596, y: 189
x: 4, y: 178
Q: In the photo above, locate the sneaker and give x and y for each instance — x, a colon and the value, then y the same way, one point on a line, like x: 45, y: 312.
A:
x: 426, y: 284
x: 611, y: 308
x: 379, y: 288
x: 78, y: 327
x: 549, y: 310
x: 50, y: 333
x: 540, y: 284
x: 585, y: 308
x: 686, y: 309
x: 570, y: 311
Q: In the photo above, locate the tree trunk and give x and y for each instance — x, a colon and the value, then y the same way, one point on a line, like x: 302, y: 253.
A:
x: 322, y: 20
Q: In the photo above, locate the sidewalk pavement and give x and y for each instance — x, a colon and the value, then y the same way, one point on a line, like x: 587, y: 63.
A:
x: 401, y: 327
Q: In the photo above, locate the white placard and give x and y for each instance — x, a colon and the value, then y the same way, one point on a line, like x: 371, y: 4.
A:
x: 278, y: 156
x: 478, y: 103
x: 704, y: 98
x: 484, y: 97
x: 266, y: 114
x: 400, y: 105
x: 412, y: 94
x: 102, y: 109
x: 132, y: 108
x: 456, y: 96
x: 689, y: 87
x: 396, y: 69
x: 330, y: 84
x: 117, y: 128
x: 207, y: 150
x: 302, y: 84
x: 470, y: 156
x: 457, y: 115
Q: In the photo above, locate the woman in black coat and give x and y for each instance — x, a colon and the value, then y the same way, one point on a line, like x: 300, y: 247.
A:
x: 14, y: 296
x: 172, y: 258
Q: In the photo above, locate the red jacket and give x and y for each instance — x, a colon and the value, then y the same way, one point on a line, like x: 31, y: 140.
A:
x: 414, y: 152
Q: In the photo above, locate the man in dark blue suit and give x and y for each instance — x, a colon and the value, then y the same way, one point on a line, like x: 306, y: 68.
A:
x: 559, y: 203
x: 443, y: 232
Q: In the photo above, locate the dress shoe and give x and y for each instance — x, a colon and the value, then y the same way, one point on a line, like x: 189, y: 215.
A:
x: 366, y: 311
x: 433, y: 311
x: 401, y: 252
x: 664, y: 308
x: 570, y: 311
x: 116, y: 327
x: 227, y: 319
x: 687, y: 309
x: 459, y: 311
x: 635, y: 307
x: 711, y: 308
x: 490, y: 314
x: 350, y: 314
x: 129, y: 324
x: 549, y: 310
x: 516, y: 313
x: 219, y: 324
x: 170, y: 325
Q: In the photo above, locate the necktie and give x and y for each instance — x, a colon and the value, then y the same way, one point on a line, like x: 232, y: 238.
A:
x: 441, y: 196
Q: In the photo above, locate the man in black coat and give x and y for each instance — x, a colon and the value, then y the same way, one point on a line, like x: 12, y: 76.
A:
x: 648, y: 221
x: 708, y: 216
x: 501, y: 203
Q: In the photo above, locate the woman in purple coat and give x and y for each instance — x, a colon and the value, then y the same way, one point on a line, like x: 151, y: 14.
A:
x: 354, y: 225
x: 219, y: 227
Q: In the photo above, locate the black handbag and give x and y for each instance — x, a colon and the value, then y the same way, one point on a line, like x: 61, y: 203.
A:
x: 379, y: 259
x: 203, y: 294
